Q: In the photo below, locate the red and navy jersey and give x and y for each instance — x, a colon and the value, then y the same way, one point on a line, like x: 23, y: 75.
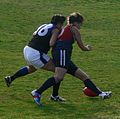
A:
x: 40, y: 40
x: 62, y: 50
x: 64, y: 43
x: 66, y: 34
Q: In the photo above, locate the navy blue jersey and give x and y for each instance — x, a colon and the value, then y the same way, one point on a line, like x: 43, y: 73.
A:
x: 40, y: 40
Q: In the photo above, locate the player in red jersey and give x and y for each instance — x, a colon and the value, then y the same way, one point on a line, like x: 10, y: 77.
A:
x: 62, y: 50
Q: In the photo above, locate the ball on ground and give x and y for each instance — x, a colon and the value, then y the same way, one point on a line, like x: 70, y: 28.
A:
x: 88, y: 92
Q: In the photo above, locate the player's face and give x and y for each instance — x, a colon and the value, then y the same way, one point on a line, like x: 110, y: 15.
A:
x: 59, y: 25
x: 77, y: 24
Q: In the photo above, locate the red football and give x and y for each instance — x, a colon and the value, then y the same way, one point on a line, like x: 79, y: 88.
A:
x: 89, y: 92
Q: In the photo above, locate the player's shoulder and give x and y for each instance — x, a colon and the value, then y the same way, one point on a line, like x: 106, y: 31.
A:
x: 74, y: 29
x: 46, y: 25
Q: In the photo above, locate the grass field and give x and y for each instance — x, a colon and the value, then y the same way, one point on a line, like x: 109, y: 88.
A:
x: 101, y: 29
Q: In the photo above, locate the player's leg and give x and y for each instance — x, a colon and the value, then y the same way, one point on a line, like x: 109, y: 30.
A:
x: 28, y: 52
x: 59, y: 74
x: 61, y: 59
x: 89, y: 83
x: 80, y: 74
x: 21, y: 72
x: 55, y: 94
x: 49, y: 66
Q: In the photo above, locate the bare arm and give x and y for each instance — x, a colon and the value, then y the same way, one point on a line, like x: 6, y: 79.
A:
x: 80, y: 43
x: 54, y: 37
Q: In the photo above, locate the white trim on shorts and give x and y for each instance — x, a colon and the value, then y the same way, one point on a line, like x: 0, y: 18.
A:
x: 62, y: 57
x: 33, y: 57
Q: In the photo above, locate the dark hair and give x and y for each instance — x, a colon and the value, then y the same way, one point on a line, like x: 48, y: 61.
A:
x: 75, y: 17
x: 57, y: 18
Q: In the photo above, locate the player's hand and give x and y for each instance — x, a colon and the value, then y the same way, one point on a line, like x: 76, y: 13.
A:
x: 88, y: 47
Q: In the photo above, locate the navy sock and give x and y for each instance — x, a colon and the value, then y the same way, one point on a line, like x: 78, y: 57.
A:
x: 22, y: 72
x: 56, y: 88
x: 47, y: 84
x: 88, y: 83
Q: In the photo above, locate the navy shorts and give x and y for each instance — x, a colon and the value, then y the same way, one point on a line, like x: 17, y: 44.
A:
x: 62, y: 56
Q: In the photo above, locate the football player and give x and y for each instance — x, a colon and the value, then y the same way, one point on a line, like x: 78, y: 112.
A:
x: 62, y: 50
x: 35, y: 52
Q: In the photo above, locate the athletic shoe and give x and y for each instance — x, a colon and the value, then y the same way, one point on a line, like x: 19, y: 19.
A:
x: 105, y: 95
x: 57, y: 98
x: 36, y: 96
x: 8, y: 80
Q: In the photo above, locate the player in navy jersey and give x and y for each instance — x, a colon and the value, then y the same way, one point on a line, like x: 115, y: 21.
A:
x: 62, y: 50
x: 35, y: 53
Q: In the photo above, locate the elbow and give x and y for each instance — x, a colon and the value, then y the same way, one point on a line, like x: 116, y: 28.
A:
x: 51, y: 44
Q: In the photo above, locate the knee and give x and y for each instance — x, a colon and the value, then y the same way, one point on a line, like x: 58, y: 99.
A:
x: 81, y: 75
x: 31, y: 69
x: 84, y: 77
x: 58, y: 79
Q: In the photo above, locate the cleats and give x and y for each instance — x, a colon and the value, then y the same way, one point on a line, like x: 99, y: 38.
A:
x: 105, y: 95
x: 36, y: 96
x: 8, y: 80
x: 57, y: 98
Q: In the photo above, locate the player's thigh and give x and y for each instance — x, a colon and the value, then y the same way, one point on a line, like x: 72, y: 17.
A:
x: 72, y: 68
x: 49, y: 66
x: 81, y: 74
x: 77, y: 72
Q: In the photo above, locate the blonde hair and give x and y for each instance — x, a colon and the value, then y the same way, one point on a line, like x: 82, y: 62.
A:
x: 75, y: 17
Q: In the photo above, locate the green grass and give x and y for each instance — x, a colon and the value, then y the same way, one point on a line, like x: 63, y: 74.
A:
x: 19, y: 18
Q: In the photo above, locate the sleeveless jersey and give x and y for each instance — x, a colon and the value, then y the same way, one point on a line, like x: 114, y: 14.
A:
x: 66, y: 34
x: 40, y: 40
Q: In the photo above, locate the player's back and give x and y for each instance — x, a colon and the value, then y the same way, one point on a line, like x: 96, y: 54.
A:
x: 66, y: 34
x: 41, y: 38
x: 65, y: 39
